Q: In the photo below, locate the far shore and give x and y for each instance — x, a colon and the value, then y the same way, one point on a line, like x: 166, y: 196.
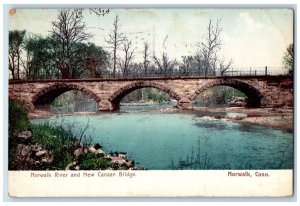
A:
x: 279, y: 118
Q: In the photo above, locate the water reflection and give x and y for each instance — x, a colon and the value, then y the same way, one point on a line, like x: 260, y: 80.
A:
x: 212, y: 125
x: 76, y: 106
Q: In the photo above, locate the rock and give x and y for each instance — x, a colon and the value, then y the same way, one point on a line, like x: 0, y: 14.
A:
x: 36, y: 148
x: 99, y: 151
x: 71, y: 166
x: 31, y: 157
x: 41, y: 153
x: 122, y: 155
x: 97, y: 146
x: 107, y: 156
x: 92, y: 149
x: 78, y: 153
x: 129, y: 164
x: 118, y: 160
x: 24, y: 137
x: 44, y: 160
x: 50, y: 159
x: 25, y: 150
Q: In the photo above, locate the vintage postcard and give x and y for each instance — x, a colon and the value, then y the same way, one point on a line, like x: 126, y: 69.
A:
x: 151, y: 102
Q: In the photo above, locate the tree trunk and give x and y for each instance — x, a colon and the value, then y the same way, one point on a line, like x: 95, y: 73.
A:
x: 13, y: 68
x: 18, y: 64
x: 64, y: 69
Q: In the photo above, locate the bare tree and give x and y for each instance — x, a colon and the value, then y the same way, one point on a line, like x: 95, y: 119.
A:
x: 99, y: 11
x: 128, y: 56
x: 146, y: 62
x: 70, y: 29
x: 164, y: 65
x: 223, y: 67
x: 210, y: 47
x: 209, y: 51
x: 115, y: 40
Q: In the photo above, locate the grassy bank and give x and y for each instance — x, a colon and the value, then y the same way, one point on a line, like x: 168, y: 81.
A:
x: 47, y: 147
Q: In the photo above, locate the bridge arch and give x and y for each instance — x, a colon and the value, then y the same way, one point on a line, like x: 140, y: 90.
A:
x: 118, y: 95
x: 47, y: 95
x: 254, y: 96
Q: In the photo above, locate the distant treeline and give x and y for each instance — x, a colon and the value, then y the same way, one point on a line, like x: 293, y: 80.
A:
x: 66, y: 53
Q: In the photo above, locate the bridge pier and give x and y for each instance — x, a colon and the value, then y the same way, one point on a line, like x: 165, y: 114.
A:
x: 184, y: 104
x: 106, y: 105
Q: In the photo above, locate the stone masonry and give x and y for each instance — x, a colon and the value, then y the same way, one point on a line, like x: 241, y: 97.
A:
x: 262, y: 91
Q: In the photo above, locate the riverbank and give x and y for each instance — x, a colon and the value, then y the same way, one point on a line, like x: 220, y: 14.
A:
x: 55, y: 147
x: 142, y: 103
x: 52, y: 148
x: 278, y: 118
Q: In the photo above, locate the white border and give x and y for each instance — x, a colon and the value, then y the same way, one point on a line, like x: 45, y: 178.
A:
x: 57, y: 3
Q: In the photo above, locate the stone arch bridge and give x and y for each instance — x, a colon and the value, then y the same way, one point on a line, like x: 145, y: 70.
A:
x: 262, y: 91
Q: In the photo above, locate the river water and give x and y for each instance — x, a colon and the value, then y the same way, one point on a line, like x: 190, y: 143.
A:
x: 184, y: 140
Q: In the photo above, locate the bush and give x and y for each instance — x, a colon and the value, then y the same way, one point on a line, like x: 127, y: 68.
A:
x: 147, y: 94
x: 158, y: 97
x: 17, y: 120
x: 62, y: 159
x: 218, y: 95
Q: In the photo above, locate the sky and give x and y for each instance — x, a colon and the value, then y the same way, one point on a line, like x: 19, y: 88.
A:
x: 250, y: 37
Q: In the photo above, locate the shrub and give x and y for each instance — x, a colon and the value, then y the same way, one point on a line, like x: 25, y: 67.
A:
x: 17, y: 120
x: 62, y: 159
x: 157, y: 96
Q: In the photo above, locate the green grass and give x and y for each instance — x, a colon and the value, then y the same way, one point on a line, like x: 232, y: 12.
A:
x: 92, y: 162
x: 51, y: 137
x: 57, y: 140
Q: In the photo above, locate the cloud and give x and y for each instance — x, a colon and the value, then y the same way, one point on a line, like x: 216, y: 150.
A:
x: 249, y: 22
